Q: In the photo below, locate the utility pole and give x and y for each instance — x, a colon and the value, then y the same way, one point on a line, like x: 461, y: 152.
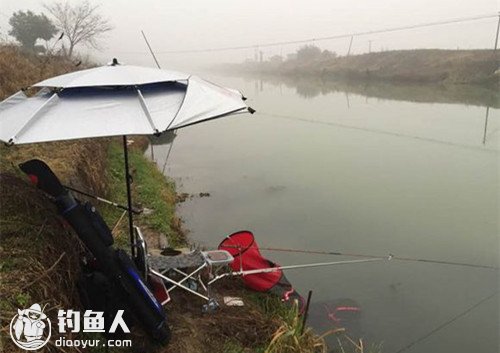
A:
x: 350, y: 45
x: 498, y: 29
x: 369, y: 46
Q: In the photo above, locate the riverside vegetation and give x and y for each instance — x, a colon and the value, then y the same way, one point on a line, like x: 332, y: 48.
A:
x: 429, y: 66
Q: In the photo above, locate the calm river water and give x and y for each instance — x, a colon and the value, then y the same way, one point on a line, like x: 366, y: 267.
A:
x: 333, y: 169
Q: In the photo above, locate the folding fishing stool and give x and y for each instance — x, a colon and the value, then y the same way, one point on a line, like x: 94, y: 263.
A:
x: 194, y: 270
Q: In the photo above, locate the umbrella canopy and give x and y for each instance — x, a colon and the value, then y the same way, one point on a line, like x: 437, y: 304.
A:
x: 113, y: 75
x: 113, y: 101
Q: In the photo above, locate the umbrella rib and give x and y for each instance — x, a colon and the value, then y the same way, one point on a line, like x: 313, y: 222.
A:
x: 146, y: 110
x: 12, y: 97
x: 242, y: 110
x: 180, y: 106
x: 33, y: 117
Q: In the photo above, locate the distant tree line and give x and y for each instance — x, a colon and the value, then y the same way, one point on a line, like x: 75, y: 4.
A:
x: 312, y: 52
x: 68, y: 26
x: 304, y: 54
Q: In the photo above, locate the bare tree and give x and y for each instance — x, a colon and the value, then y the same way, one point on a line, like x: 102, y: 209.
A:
x: 81, y: 23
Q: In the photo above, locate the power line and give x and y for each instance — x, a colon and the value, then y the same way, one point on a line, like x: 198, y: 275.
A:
x: 338, y: 36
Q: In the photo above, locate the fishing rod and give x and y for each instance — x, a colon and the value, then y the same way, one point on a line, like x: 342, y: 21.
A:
x: 391, y: 257
x: 157, y: 64
x: 134, y: 210
x: 150, y: 49
x: 293, y: 267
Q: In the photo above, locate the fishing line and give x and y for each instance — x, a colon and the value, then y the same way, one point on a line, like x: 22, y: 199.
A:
x: 443, y: 325
x: 426, y: 139
x: 392, y: 257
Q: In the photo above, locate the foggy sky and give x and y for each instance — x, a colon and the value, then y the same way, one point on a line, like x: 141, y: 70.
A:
x: 197, y: 24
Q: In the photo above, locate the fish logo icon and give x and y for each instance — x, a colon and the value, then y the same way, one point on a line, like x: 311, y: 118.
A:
x: 30, y: 329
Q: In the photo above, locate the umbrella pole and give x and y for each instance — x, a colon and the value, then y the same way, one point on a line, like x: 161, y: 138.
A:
x: 129, y: 197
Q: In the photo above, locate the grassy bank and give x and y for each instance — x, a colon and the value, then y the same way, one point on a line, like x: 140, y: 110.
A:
x: 39, y: 254
x: 150, y: 189
x: 403, y: 66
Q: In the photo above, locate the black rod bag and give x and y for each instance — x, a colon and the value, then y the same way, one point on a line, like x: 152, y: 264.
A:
x: 115, y: 264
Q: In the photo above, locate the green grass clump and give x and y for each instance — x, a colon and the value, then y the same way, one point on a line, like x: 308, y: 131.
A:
x: 150, y: 190
x: 271, y: 305
x: 23, y: 299
x: 292, y: 337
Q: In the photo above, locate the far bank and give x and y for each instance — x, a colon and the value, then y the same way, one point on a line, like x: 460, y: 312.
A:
x: 429, y: 66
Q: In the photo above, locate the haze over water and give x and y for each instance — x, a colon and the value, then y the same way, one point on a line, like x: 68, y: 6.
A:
x: 338, y: 171
x: 201, y: 24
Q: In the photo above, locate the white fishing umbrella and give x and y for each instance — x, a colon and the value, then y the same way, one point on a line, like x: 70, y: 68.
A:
x: 114, y: 100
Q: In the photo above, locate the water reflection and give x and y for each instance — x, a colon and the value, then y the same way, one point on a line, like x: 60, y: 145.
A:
x: 165, y: 139
x: 487, y: 115
x: 308, y: 87
x: 356, y: 92
x: 339, y: 313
